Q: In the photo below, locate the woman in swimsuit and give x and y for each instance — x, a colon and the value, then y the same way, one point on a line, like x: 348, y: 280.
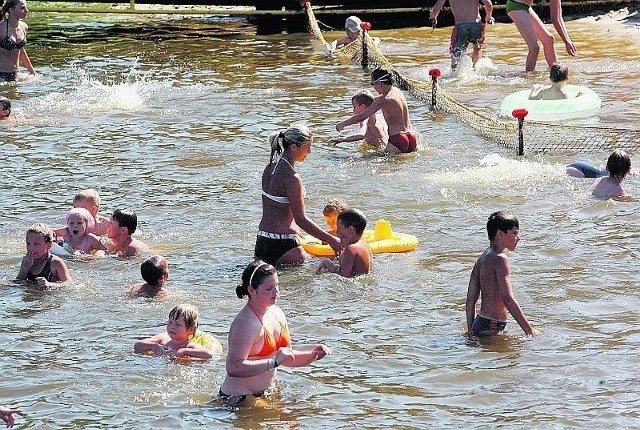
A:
x: 283, y: 209
x: 259, y: 338
x: 39, y: 264
x: 532, y: 29
x: 13, y: 37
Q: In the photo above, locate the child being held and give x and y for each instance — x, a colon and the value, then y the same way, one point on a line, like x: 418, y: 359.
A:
x: 181, y: 339
x: 373, y: 129
x: 88, y: 199
x: 332, y: 209
x: 618, y: 166
x: 155, y: 272
x: 39, y: 264
x: 559, y: 75
x: 78, y: 240
x: 356, y: 258
x: 122, y: 224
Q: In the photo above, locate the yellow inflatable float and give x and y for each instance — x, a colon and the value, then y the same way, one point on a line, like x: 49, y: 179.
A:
x: 382, y: 239
x: 208, y: 340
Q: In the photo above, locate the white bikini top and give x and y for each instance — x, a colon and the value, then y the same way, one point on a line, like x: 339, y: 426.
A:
x: 278, y: 199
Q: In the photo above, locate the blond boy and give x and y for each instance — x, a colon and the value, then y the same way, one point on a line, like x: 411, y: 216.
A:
x: 373, y: 129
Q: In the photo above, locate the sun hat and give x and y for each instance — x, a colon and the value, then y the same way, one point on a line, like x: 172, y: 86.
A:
x: 352, y: 24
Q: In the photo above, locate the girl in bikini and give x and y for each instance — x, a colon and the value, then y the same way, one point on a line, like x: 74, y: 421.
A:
x: 39, y: 264
x: 259, y: 339
x: 283, y: 209
x: 533, y: 30
x: 78, y: 240
x: 13, y: 38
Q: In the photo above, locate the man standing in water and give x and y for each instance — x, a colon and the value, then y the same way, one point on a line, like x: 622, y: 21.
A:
x: 468, y: 28
x: 491, y: 278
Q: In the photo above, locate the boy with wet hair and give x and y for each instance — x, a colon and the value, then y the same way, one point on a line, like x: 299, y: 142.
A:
x: 155, y: 272
x: 491, y: 279
x: 391, y: 101
x: 558, y: 75
x: 121, y: 226
x: 618, y: 166
x: 356, y: 258
x: 373, y: 129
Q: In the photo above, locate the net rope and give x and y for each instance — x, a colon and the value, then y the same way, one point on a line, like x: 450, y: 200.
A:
x: 537, y: 136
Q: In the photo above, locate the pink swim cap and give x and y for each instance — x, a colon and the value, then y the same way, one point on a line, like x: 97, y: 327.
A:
x: 84, y: 214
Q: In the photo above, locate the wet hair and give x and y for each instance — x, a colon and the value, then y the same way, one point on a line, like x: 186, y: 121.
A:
x: 44, y: 230
x: 9, y: 4
x: 189, y: 313
x: 6, y: 103
x: 381, y: 75
x: 503, y: 221
x: 618, y: 164
x: 153, y: 268
x: 296, y: 134
x: 335, y: 205
x: 363, y: 97
x: 89, y: 195
x: 254, y: 274
x: 126, y: 218
x: 353, y: 218
x: 558, y: 73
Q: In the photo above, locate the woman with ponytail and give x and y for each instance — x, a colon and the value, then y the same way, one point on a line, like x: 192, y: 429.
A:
x: 259, y: 340
x: 283, y: 209
x: 13, y: 38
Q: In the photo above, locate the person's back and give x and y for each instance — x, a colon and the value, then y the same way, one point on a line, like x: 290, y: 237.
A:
x: 155, y: 272
x: 358, y: 256
x: 618, y: 166
x: 464, y: 10
x: 558, y: 75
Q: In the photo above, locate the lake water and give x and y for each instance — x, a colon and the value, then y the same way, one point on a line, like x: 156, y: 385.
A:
x: 170, y: 117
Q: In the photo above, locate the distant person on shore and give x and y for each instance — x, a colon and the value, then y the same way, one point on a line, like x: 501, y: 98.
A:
x: 283, y: 208
x: 155, y: 272
x: 533, y: 30
x: 391, y: 101
x: 373, y: 129
x: 39, y: 264
x: 352, y: 27
x: 5, y: 108
x: 259, y: 338
x: 121, y: 226
x: 491, y: 280
x: 468, y: 28
x: 618, y: 166
x: 179, y: 339
x: 331, y: 211
x: 558, y: 75
x: 13, y: 38
x: 6, y: 415
x: 356, y: 258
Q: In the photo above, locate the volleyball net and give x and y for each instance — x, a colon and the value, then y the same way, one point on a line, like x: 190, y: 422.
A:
x: 528, y: 135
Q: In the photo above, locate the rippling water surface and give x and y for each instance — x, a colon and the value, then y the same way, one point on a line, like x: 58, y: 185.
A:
x: 170, y: 117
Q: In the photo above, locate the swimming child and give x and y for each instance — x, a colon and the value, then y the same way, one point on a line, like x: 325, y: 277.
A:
x: 468, y: 28
x: 391, y: 102
x: 39, y: 264
x: 618, y: 166
x: 155, y: 272
x: 121, y: 226
x: 356, y: 258
x: 79, y: 241
x: 88, y: 199
x: 178, y: 339
x: 332, y: 209
x: 491, y: 279
x: 373, y: 129
x: 352, y: 27
x: 5, y: 108
x: 559, y: 75
x: 581, y: 169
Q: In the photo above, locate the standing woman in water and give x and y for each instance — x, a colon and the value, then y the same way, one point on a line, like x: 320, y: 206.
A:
x: 533, y: 30
x: 283, y: 209
x: 13, y: 37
